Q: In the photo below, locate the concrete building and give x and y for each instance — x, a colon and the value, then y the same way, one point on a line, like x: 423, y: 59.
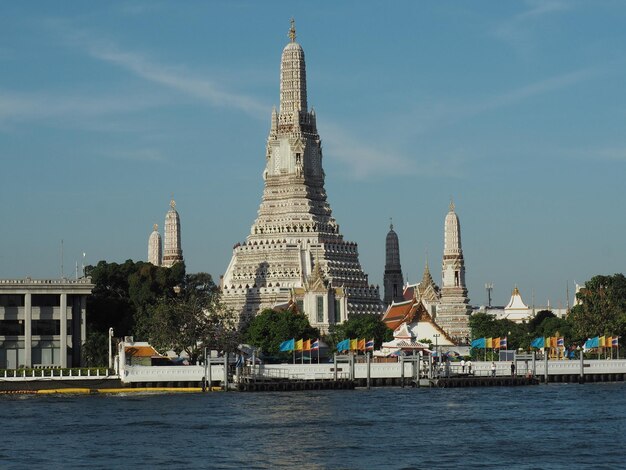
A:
x: 42, y: 322
x: 295, y: 252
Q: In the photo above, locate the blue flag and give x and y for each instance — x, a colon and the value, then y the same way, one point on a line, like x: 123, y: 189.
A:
x: 343, y: 345
x: 479, y: 343
x: 592, y: 343
x: 288, y: 345
x: 538, y: 342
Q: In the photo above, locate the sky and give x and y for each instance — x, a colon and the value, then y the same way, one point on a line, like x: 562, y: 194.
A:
x: 515, y: 110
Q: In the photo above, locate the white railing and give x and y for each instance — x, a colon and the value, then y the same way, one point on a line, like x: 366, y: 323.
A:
x: 54, y: 374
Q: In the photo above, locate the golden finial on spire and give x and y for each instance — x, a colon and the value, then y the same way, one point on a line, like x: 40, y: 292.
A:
x: 172, y: 202
x: 451, y: 205
x: 292, y: 30
x: 155, y: 227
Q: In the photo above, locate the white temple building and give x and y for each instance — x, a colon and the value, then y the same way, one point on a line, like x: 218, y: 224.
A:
x: 453, y: 311
x: 295, y: 251
x: 173, y: 252
x: 155, y: 247
x: 518, y: 311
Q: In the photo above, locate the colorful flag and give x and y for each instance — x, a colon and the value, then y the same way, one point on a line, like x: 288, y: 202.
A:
x: 343, y: 345
x: 306, y: 346
x: 316, y: 345
x: 361, y: 344
x: 615, y: 341
x: 488, y: 343
x: 503, y: 343
x: 608, y: 342
x: 479, y: 343
x: 495, y: 343
x: 354, y: 344
x: 299, y: 345
x: 369, y: 346
x: 592, y: 343
x: 553, y: 341
x: 538, y: 343
x: 601, y: 342
x: 287, y: 345
x: 560, y: 342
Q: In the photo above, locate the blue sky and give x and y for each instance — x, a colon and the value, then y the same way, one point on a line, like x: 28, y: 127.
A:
x: 514, y: 109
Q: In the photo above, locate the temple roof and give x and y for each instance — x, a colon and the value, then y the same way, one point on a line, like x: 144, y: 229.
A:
x: 516, y: 302
x: 409, y: 312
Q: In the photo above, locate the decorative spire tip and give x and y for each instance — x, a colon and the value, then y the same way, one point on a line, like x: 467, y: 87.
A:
x: 292, y: 30
x: 451, y: 205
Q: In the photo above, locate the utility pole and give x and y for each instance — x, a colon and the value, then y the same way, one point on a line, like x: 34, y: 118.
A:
x: 489, y: 288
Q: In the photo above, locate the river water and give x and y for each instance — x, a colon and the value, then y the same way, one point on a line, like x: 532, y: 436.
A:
x: 547, y: 426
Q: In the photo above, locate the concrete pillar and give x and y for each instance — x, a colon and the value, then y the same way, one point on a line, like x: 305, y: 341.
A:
x: 368, y: 370
x: 545, y: 365
x: 28, y: 330
x: 83, y: 319
x: 582, y: 366
x: 63, y: 332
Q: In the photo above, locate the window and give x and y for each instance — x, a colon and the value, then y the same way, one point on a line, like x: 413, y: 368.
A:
x: 46, y: 300
x: 12, y: 300
x: 337, y: 311
x: 11, y: 327
x: 320, y: 309
x: 46, y: 327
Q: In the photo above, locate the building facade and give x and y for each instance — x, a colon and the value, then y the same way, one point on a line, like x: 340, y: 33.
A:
x: 295, y: 251
x: 42, y: 322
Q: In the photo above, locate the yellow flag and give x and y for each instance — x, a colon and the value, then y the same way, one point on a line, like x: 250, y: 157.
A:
x: 489, y: 343
x: 601, y: 342
x: 354, y: 344
x: 299, y: 345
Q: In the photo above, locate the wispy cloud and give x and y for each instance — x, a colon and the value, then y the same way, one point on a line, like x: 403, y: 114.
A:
x: 23, y: 106
x: 176, y: 77
x: 518, y: 30
x: 364, y: 159
x: 429, y: 117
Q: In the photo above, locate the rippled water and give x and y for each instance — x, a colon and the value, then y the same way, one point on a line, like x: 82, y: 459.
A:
x: 548, y: 426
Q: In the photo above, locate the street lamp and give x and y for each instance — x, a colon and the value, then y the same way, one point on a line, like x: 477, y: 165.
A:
x: 436, y: 336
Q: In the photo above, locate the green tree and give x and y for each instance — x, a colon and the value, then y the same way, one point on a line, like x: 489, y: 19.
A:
x: 191, y: 320
x: 270, y: 328
x: 360, y: 326
x: 122, y: 292
x: 484, y: 325
x: 95, y: 350
x: 537, y: 320
x: 602, y: 308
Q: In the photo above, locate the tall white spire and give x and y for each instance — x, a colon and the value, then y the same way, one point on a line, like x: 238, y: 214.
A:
x: 172, y: 252
x: 292, y: 76
x: 453, y: 311
x: 155, y: 248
